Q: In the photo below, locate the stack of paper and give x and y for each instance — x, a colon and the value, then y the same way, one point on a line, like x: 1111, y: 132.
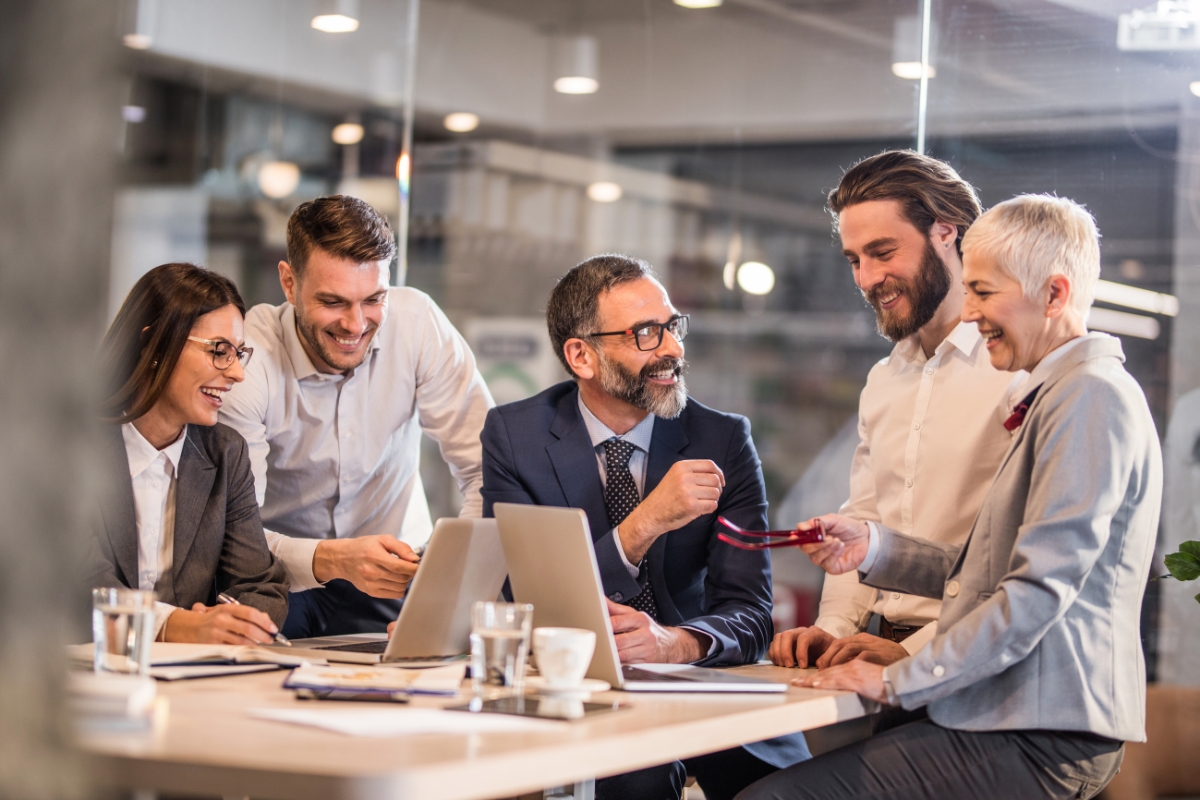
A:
x: 388, y: 680
x: 404, y: 721
x: 176, y: 660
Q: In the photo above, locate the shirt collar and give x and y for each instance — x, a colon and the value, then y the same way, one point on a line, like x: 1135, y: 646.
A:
x: 1043, y: 368
x: 639, y: 435
x: 142, y: 454
x: 965, y: 337
x: 302, y: 365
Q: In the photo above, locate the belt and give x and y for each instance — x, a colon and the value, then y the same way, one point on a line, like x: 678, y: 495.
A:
x: 897, y: 633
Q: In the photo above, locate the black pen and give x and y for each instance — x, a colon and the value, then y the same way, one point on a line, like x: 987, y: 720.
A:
x: 224, y: 598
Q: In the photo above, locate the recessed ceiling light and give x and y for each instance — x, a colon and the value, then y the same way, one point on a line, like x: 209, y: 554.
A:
x: 461, y: 122
x: 756, y: 278
x: 1194, y: 86
x: 605, y: 191
x: 278, y: 179
x: 335, y: 23
x: 911, y: 70
x: 576, y: 85
x: 136, y: 41
x: 348, y: 133
x: 699, y: 3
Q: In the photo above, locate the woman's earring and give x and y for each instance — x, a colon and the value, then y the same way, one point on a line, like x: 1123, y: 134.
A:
x: 154, y: 364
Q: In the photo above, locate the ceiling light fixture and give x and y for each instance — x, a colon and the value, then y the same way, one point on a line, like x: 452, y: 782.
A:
x: 699, y: 3
x: 575, y: 65
x: 278, y: 179
x: 906, y: 49
x: 756, y: 277
x: 140, y: 23
x: 348, y: 133
x: 461, y: 122
x: 1122, y: 294
x: 1106, y: 319
x: 1194, y: 88
x: 605, y: 191
x: 336, y: 16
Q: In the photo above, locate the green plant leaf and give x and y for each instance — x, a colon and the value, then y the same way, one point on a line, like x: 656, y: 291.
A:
x: 1183, y: 566
x: 1191, y: 548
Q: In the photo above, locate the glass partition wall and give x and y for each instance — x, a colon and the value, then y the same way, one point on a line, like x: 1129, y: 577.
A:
x: 509, y: 139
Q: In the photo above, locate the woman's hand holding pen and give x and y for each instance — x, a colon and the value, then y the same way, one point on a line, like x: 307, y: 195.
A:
x: 223, y: 624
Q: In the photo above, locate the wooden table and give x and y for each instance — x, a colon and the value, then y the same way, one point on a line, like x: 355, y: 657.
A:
x: 210, y: 745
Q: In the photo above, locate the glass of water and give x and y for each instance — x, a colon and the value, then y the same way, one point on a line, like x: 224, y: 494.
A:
x: 123, y: 629
x: 499, y: 644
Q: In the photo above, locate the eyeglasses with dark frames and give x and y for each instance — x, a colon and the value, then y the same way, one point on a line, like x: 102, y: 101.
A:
x: 650, y: 335
x: 223, y: 353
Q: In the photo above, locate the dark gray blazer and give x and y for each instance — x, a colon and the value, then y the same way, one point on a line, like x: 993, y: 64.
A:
x: 219, y: 542
x: 1040, y: 623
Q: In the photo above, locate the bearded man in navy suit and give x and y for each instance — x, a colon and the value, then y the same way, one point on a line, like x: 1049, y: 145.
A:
x: 652, y: 469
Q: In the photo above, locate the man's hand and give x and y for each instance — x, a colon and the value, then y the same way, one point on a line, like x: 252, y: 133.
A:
x: 862, y: 647
x: 854, y: 676
x: 690, y: 489
x: 799, y: 647
x: 380, y: 566
x: 223, y: 624
x: 845, y: 544
x: 641, y: 640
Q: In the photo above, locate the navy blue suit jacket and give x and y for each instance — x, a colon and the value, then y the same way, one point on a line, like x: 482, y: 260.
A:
x: 538, y: 451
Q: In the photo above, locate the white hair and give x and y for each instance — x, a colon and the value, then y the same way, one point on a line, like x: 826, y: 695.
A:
x: 1035, y: 236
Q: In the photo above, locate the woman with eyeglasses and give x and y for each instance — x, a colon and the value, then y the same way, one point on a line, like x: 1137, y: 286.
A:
x: 181, y: 516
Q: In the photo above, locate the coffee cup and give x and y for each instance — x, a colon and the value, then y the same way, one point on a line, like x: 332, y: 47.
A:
x: 563, y: 655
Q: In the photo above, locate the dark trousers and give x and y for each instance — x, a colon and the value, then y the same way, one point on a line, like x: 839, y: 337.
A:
x: 337, y: 609
x: 923, y: 761
x: 721, y: 775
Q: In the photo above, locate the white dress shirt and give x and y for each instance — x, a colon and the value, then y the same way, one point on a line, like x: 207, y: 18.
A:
x: 337, y: 456
x: 153, y: 472
x: 639, y: 436
x: 931, y: 437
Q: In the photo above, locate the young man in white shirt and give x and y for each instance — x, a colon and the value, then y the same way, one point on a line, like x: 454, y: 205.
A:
x: 351, y: 373
x: 931, y: 417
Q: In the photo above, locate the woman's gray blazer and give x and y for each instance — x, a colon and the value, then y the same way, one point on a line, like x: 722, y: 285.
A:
x: 1040, y: 623
x: 219, y: 541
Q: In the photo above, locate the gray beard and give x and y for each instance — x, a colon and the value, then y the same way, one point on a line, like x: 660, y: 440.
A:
x: 667, y: 402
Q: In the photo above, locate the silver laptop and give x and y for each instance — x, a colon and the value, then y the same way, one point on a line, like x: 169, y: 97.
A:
x: 552, y: 565
x: 462, y: 564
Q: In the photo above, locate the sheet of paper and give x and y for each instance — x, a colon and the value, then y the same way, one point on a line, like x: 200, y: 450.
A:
x: 207, y: 671
x: 438, y: 680
x: 185, y: 653
x: 403, y: 721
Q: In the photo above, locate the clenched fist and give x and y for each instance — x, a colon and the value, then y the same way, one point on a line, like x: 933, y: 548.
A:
x: 690, y: 489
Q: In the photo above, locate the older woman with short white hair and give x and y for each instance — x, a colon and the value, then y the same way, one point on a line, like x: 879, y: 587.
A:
x: 1035, y: 679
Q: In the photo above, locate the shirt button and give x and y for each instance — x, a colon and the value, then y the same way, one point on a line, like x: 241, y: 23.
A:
x: 154, y: 484
x: 929, y: 371
x: 916, y: 426
x: 618, y: 597
x: 908, y: 483
x: 939, y: 671
x: 952, y: 589
x: 895, y: 595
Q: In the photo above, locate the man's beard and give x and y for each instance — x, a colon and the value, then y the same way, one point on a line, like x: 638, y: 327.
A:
x: 636, y: 389
x: 319, y: 345
x: 925, y: 294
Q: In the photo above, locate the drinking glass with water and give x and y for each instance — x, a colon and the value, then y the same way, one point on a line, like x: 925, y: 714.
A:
x: 123, y: 629
x: 499, y: 645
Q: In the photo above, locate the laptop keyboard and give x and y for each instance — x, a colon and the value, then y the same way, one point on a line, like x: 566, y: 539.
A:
x: 357, y: 647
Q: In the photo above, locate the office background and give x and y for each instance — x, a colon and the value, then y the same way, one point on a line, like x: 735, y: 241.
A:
x: 508, y: 139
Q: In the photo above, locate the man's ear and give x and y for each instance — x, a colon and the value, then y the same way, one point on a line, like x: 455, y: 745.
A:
x: 287, y: 279
x: 1058, y: 295
x: 943, y: 234
x: 581, y: 358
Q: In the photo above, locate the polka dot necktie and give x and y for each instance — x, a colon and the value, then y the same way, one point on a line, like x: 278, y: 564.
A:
x: 621, y: 496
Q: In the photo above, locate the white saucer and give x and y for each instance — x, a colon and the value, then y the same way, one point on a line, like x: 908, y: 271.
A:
x: 584, y: 687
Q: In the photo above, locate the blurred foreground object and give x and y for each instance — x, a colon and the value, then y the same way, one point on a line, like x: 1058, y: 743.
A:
x: 60, y: 120
x: 1179, y: 613
x: 1165, y: 764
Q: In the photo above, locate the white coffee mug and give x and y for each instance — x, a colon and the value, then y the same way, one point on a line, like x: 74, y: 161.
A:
x: 563, y: 654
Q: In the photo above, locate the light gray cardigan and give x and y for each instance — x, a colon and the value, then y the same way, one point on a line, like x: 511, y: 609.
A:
x: 1040, y: 623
